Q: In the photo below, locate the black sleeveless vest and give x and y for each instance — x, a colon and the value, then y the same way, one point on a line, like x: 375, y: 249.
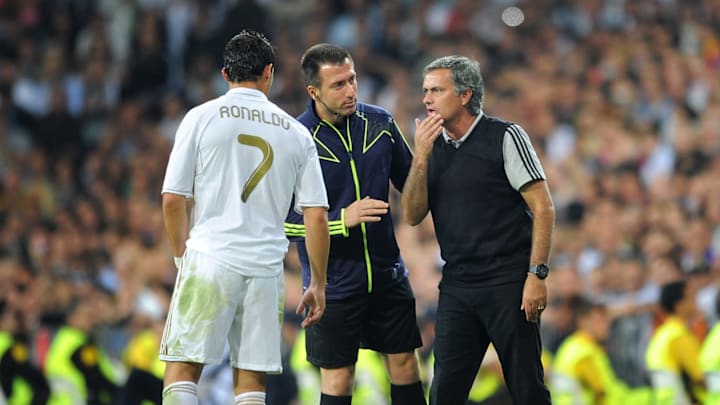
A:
x: 482, y: 223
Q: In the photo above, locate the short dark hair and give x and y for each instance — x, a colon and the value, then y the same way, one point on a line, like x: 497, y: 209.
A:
x: 671, y: 294
x: 246, y: 55
x: 583, y: 307
x: 321, y: 54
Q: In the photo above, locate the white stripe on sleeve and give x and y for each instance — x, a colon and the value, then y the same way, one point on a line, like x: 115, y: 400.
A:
x: 521, y: 162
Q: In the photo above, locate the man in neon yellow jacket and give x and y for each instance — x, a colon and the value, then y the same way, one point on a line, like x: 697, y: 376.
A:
x: 672, y: 356
x: 582, y: 373
x: 21, y: 382
x: 145, y: 379
x: 710, y: 360
x: 78, y: 369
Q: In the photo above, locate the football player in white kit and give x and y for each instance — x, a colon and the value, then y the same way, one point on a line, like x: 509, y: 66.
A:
x: 240, y: 158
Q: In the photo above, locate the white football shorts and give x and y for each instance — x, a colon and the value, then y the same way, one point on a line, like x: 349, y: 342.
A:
x: 212, y: 305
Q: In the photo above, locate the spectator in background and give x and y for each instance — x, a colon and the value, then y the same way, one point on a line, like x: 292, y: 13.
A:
x: 145, y: 379
x: 582, y: 373
x: 146, y: 370
x: 710, y: 360
x: 496, y: 248
x: 21, y: 381
x: 672, y: 355
x: 77, y: 367
x: 148, y: 60
x: 58, y: 133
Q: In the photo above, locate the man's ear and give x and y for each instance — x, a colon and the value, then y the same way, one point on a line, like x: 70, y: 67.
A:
x: 268, y: 71
x: 312, y: 91
x: 466, y: 96
x: 224, y: 73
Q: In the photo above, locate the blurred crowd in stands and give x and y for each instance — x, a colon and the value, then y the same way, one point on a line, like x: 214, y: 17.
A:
x: 620, y: 97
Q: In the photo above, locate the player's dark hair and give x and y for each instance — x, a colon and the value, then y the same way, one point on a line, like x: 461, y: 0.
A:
x: 246, y: 55
x: 671, y: 294
x: 321, y: 54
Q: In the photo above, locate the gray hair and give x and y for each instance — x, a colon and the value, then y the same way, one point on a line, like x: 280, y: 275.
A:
x: 465, y: 76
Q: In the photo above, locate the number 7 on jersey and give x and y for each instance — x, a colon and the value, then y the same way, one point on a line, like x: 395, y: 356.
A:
x: 263, y: 167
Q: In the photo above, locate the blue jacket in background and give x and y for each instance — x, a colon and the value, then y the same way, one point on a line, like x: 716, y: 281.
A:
x: 357, y: 160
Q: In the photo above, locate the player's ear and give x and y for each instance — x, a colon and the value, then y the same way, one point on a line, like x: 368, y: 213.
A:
x: 312, y: 91
x: 268, y: 71
x: 224, y: 73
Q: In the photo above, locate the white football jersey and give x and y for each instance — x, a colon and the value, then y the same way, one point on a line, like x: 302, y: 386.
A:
x: 241, y: 158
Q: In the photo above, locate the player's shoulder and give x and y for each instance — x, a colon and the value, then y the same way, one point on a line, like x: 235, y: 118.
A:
x: 203, y: 109
x: 295, y: 126
x: 294, y: 122
x: 280, y: 111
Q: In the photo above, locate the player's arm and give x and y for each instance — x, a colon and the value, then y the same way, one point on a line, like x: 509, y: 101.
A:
x: 179, y: 182
x: 317, y: 243
x: 176, y: 220
x: 415, y: 203
x: 311, y: 201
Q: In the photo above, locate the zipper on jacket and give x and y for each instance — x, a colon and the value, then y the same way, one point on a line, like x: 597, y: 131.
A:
x: 356, y: 182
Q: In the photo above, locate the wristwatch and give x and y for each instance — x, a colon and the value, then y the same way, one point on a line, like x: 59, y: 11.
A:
x: 540, y: 270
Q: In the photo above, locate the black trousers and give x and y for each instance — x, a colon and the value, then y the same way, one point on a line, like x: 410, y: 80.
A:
x: 468, y: 319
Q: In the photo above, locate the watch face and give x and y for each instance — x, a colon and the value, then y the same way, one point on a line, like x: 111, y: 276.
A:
x: 541, y: 270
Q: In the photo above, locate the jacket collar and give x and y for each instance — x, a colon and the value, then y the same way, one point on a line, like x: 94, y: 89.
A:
x: 311, y: 119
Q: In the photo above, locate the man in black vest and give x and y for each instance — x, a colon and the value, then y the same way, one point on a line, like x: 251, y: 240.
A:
x: 493, y: 216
